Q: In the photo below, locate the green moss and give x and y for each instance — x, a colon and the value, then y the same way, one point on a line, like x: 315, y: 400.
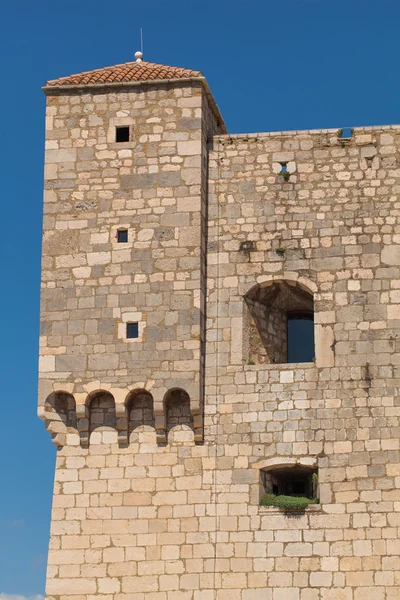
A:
x: 287, y: 502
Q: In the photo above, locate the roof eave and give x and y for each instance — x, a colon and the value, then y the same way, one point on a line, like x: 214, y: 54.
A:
x: 59, y: 89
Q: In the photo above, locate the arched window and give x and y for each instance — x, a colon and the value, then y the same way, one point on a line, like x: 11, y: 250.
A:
x: 280, y: 323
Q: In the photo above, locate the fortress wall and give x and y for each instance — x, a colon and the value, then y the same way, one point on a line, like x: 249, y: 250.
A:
x: 143, y: 512
x: 336, y: 219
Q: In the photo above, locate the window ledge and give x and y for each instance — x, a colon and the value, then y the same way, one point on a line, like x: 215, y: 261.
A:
x: 280, y: 366
x: 267, y: 510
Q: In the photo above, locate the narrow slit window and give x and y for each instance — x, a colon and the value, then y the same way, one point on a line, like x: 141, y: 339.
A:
x: 284, y: 168
x: 122, y: 134
x: 122, y: 236
x: 132, y: 330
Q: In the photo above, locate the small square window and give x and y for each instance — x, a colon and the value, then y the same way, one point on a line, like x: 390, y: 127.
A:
x: 122, y: 235
x: 122, y: 134
x: 132, y: 330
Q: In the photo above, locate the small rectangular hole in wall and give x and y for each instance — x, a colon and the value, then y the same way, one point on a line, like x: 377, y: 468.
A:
x: 132, y: 330
x: 122, y: 235
x: 346, y: 133
x: 290, y: 488
x: 122, y: 134
x: 284, y: 167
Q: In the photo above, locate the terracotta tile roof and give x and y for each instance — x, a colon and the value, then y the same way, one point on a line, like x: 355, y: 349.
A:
x: 130, y: 71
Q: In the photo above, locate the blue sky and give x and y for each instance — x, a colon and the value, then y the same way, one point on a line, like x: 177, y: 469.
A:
x: 271, y: 65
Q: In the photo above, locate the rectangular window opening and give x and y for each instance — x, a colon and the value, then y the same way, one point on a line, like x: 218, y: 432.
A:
x: 284, y: 167
x: 289, y: 488
x: 122, y: 134
x: 279, y: 325
x: 122, y: 235
x: 346, y: 133
x: 132, y: 330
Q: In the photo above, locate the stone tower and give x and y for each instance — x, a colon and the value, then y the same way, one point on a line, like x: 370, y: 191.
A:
x: 219, y: 351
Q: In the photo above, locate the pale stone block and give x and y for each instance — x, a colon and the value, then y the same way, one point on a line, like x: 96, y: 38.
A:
x: 188, y: 148
x: 393, y: 312
x: 68, y: 586
x: 60, y: 156
x: 47, y: 364
x: 98, y: 258
x: 109, y: 585
x: 337, y: 594
x: 286, y: 593
x: 390, y: 254
x: 286, y: 376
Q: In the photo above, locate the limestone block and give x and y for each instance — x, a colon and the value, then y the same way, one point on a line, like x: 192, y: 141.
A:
x: 60, y: 156
x: 390, y: 254
x: 189, y: 148
x: 324, y: 344
x: 71, y: 362
x: 67, y: 586
x: 47, y: 364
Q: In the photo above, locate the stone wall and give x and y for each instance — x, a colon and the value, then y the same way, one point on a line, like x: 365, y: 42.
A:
x: 137, y: 514
x: 336, y: 219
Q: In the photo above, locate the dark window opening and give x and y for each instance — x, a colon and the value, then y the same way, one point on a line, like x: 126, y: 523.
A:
x: 280, y: 324
x: 178, y: 413
x: 122, y: 235
x: 122, y: 134
x: 291, y: 481
x: 132, y: 330
x: 300, y: 333
x: 369, y: 160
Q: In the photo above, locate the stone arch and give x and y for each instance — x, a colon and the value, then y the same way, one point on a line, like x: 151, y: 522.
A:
x: 278, y: 462
x: 101, y: 411
x: 275, y: 307
x: 140, y: 411
x: 63, y: 403
x: 179, y: 419
x: 290, y: 277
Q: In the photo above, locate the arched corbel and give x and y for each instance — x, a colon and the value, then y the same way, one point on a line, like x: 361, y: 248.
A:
x: 57, y: 429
